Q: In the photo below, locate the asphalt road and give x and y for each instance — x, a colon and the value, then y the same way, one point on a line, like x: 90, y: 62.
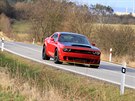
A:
x: 107, y: 71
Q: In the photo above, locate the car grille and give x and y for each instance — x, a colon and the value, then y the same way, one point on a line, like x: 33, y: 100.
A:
x: 74, y: 59
x: 83, y: 52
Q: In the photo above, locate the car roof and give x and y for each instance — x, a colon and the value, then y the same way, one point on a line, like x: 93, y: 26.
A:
x: 70, y: 33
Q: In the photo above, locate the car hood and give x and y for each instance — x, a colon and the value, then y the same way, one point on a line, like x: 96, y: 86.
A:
x: 79, y: 45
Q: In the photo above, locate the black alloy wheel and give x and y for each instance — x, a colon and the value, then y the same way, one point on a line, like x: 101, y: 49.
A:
x: 44, y: 55
x: 56, y: 57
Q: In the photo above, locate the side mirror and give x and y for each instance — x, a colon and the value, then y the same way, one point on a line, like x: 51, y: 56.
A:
x: 52, y: 39
x: 93, y: 44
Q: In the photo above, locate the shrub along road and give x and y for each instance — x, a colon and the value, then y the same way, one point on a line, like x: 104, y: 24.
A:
x: 107, y: 71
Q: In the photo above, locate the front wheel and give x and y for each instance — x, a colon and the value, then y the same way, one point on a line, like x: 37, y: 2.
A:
x: 44, y: 55
x: 56, y: 57
x: 94, y: 66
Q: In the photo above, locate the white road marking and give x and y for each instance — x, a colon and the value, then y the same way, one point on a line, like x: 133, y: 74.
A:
x: 26, y: 47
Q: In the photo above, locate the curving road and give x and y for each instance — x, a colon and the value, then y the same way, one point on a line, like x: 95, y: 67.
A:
x: 107, y: 71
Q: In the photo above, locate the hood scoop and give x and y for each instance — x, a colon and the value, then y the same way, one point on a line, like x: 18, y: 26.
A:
x: 76, y: 45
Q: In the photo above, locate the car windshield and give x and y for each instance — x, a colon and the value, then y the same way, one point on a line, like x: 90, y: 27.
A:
x: 73, y: 38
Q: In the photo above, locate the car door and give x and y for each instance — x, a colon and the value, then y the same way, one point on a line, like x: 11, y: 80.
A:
x: 52, y: 44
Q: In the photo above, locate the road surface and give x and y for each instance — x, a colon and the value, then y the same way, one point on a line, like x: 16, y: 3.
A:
x: 107, y: 71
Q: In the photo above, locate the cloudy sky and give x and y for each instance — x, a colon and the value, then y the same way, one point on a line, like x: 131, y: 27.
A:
x: 117, y: 5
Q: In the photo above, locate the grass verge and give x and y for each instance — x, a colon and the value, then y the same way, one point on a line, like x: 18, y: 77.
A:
x: 7, y: 93
x: 8, y: 96
x: 56, y: 84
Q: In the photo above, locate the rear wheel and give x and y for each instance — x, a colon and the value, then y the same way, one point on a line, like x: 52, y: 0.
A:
x: 56, y: 57
x: 44, y: 55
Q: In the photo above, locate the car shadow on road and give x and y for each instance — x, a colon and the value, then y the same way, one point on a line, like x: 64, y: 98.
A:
x: 79, y: 65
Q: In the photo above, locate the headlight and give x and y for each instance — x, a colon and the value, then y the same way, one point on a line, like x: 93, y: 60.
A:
x: 66, y: 50
x: 96, y: 53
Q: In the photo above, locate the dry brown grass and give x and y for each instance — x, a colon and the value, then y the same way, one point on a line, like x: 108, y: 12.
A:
x: 4, y: 36
x: 118, y: 60
x: 23, y: 37
x: 114, y: 25
x: 31, y: 93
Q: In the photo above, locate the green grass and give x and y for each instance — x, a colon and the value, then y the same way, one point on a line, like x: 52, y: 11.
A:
x: 21, y: 27
x: 8, y: 96
x: 69, y: 85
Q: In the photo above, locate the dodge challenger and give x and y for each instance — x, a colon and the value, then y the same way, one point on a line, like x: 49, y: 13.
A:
x: 72, y: 48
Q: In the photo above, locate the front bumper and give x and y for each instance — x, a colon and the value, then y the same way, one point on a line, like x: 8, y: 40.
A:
x: 79, y: 58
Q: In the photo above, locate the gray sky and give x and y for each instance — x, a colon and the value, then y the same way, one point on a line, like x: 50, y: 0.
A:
x: 117, y: 5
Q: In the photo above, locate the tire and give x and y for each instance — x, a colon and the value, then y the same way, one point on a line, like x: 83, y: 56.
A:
x: 44, y: 55
x: 93, y: 66
x: 56, y: 57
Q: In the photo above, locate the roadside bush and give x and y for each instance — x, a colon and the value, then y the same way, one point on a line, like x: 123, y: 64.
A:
x: 121, y: 39
x: 5, y: 24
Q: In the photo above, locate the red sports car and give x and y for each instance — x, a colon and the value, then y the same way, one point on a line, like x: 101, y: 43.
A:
x: 72, y: 48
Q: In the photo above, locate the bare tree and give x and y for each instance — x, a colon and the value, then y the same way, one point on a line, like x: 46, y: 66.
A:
x: 46, y: 17
x: 49, y: 16
x: 80, y: 20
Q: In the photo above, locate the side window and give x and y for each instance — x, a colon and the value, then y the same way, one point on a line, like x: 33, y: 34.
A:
x: 55, y: 37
